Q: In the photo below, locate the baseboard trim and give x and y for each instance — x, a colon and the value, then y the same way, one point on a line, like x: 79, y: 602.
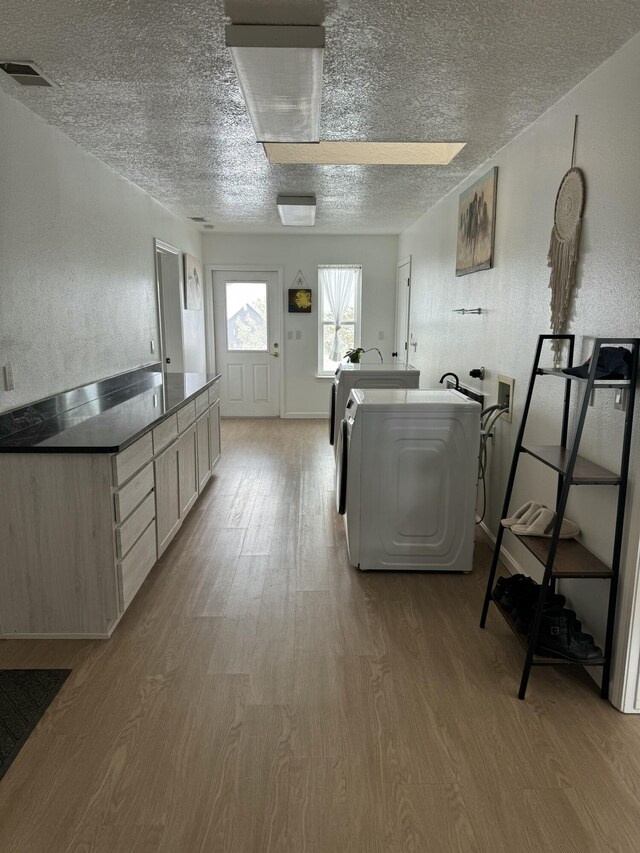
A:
x: 307, y: 415
x: 512, y: 564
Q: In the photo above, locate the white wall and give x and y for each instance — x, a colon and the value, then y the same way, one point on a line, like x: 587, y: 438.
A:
x: 515, y: 297
x: 305, y: 394
x: 77, y: 286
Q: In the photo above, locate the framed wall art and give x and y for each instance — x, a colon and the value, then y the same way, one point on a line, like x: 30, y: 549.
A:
x: 192, y: 283
x: 477, y: 224
x: 300, y: 300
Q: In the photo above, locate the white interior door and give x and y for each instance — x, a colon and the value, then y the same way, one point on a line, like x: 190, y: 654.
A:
x: 403, y: 304
x: 169, y: 275
x: 247, y: 333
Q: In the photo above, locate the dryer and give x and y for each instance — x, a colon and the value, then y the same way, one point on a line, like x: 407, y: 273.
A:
x: 406, y: 476
x: 350, y: 376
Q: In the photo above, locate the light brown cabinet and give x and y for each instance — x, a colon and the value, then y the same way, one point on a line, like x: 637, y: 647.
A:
x: 204, y: 454
x: 188, y: 469
x: 102, y: 522
x: 167, y: 496
x: 214, y: 435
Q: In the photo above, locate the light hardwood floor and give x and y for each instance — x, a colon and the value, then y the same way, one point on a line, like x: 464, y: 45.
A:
x: 261, y: 695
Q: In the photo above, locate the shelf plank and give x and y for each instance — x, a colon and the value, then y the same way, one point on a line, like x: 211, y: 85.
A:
x: 598, y: 383
x: 584, y: 473
x: 572, y: 560
x: 538, y: 660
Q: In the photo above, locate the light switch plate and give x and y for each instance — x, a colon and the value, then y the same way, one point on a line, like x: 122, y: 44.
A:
x: 8, y: 377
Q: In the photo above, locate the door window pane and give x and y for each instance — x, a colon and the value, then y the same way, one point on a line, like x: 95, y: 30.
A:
x: 246, y: 306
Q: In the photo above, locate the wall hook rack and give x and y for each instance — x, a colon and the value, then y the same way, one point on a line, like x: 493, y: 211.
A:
x: 467, y: 310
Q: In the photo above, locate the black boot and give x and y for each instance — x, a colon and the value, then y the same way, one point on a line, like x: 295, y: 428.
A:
x: 558, y: 638
x: 524, y: 615
x: 524, y: 589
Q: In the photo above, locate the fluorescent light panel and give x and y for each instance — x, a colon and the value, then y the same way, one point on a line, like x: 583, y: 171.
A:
x: 366, y: 153
x: 280, y: 74
x: 297, y: 210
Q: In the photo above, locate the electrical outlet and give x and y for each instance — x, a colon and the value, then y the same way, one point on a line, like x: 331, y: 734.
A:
x: 620, y: 396
x: 298, y: 334
x: 289, y: 335
x: 381, y: 335
x: 8, y: 377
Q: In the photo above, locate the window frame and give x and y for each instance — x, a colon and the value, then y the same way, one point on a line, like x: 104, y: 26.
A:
x: 356, y: 322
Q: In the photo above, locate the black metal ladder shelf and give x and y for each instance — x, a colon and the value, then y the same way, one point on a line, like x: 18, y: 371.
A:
x: 568, y: 558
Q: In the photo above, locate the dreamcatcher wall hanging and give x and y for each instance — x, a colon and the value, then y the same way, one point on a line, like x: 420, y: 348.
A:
x: 564, y: 246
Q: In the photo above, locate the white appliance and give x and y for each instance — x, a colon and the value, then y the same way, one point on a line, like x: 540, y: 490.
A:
x: 350, y: 376
x: 407, y: 465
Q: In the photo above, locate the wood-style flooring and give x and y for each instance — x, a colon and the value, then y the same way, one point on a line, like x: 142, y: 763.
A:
x: 261, y: 695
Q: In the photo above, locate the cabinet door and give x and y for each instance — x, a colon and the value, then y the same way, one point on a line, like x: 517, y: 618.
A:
x: 188, y: 469
x: 204, y: 457
x: 214, y: 434
x: 167, y: 496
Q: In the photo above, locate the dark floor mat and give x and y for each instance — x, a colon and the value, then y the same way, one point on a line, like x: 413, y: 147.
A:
x: 25, y: 695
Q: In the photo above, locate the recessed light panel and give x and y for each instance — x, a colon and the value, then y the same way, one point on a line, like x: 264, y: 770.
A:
x: 280, y: 73
x: 299, y: 210
x: 365, y: 153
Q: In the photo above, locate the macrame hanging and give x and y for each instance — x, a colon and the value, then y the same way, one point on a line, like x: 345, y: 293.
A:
x: 563, y: 252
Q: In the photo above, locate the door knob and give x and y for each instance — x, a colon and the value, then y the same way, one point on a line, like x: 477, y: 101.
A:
x: 275, y: 354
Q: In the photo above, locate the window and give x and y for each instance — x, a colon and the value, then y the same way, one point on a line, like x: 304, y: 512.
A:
x: 338, y: 315
x: 246, y: 306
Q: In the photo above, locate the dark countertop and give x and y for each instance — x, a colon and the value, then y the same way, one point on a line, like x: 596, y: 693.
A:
x: 112, y: 421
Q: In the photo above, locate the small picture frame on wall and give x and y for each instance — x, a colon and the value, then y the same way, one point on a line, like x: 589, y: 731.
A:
x: 300, y: 301
x: 192, y: 283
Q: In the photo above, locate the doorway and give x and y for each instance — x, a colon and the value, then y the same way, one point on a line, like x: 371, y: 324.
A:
x: 169, y: 284
x: 247, y: 309
x: 403, y: 308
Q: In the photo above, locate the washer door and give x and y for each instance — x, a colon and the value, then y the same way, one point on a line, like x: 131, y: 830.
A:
x: 342, y: 464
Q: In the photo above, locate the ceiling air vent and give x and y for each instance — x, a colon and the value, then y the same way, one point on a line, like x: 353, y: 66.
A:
x: 26, y: 73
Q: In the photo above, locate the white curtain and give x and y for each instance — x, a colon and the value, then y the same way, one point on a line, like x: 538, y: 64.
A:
x: 338, y: 285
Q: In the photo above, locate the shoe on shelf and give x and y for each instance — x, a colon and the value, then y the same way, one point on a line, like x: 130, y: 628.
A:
x: 559, y: 638
x: 524, y: 615
x: 542, y: 524
x: 503, y: 584
x: 522, y: 515
x: 518, y: 594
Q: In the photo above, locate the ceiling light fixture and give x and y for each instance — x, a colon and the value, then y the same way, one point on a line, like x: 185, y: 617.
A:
x: 280, y: 73
x: 366, y: 153
x: 297, y: 209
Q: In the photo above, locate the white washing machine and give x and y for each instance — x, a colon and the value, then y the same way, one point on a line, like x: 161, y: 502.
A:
x: 350, y: 376
x: 407, y: 465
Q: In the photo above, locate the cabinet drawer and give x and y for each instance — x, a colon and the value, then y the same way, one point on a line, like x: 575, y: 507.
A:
x: 214, y: 392
x: 202, y: 403
x: 129, y: 531
x: 186, y: 416
x: 132, y: 459
x: 128, y: 497
x: 165, y: 433
x: 134, y: 568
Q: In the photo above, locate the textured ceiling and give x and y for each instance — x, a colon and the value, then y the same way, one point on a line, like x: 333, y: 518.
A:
x: 148, y: 87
